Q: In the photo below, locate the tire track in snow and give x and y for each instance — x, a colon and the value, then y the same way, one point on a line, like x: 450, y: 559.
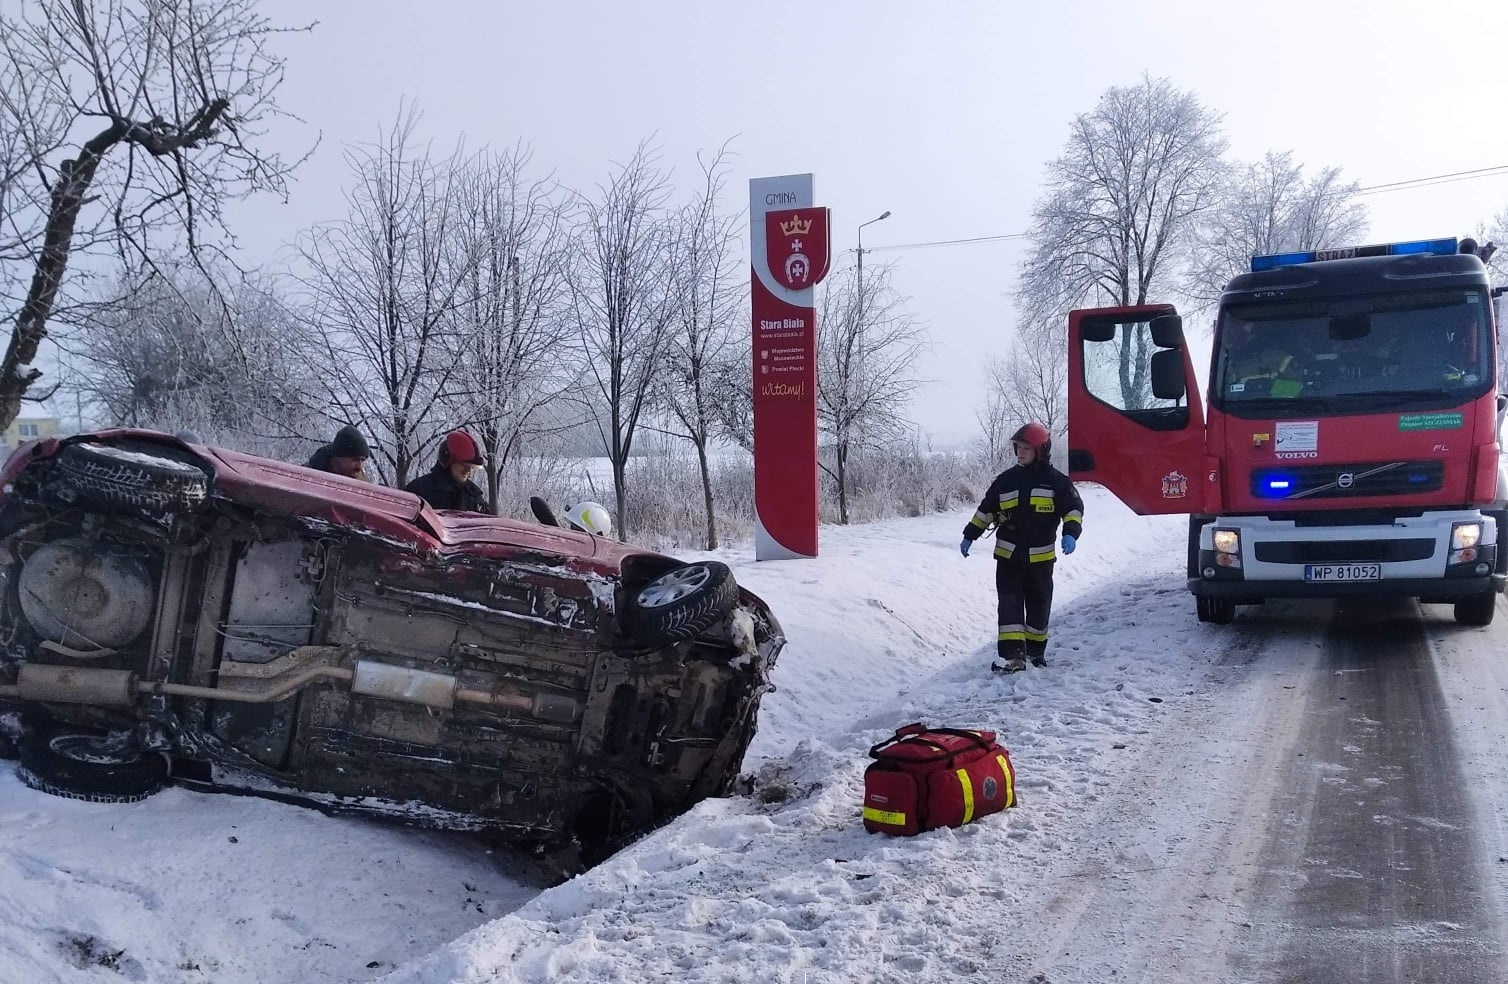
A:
x: 1373, y: 869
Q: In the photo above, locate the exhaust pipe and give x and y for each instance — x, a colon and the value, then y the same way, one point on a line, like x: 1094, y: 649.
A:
x: 47, y: 683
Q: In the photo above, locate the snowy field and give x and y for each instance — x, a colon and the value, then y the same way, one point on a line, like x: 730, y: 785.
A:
x: 889, y: 626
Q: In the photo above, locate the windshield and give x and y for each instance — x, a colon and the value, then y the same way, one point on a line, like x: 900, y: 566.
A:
x: 1393, y: 351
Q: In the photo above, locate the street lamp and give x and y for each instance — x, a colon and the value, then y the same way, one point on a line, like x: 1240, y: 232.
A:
x: 859, y: 274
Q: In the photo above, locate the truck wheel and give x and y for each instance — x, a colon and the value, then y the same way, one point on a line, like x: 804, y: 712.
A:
x: 680, y: 604
x: 1218, y: 611
x: 135, y: 475
x: 77, y: 763
x: 1478, y: 609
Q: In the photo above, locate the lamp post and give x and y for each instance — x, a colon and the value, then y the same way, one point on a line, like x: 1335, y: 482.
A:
x: 859, y: 274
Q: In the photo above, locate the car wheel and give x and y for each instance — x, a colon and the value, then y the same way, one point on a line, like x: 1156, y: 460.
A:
x: 1218, y: 611
x: 77, y: 763
x: 680, y: 604
x: 133, y: 475
x: 1478, y: 609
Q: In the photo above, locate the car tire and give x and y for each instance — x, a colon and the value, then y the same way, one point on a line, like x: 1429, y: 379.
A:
x: 1478, y: 609
x: 1217, y: 611
x: 77, y: 763
x: 133, y: 475
x: 680, y: 604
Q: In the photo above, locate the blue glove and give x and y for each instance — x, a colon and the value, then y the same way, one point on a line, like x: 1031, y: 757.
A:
x: 1069, y: 542
x: 963, y: 547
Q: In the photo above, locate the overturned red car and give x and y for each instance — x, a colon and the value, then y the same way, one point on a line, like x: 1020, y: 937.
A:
x: 173, y: 612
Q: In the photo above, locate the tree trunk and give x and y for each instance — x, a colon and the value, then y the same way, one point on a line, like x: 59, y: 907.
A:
x: 701, y: 457
x: 74, y: 178
x: 620, y: 491
x: 842, y: 456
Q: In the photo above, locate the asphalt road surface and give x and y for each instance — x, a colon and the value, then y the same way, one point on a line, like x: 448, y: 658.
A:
x: 1334, y: 808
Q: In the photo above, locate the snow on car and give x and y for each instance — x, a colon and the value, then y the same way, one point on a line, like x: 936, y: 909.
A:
x: 228, y: 622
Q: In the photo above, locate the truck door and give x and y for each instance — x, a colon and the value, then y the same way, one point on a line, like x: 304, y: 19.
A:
x: 1135, y: 422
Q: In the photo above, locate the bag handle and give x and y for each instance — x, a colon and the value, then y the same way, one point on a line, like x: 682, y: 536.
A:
x: 917, y: 728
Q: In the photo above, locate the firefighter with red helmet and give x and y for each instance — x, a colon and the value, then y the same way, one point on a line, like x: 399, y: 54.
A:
x: 1025, y: 504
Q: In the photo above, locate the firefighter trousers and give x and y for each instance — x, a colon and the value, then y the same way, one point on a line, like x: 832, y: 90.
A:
x: 1025, y: 592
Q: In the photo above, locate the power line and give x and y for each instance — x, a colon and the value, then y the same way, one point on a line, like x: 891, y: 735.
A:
x: 1410, y: 184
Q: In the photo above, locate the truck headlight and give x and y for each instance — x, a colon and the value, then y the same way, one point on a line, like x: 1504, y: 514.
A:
x: 1464, y: 535
x: 1464, y: 538
x: 1227, y: 548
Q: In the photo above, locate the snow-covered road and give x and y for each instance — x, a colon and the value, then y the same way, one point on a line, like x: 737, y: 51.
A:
x: 1196, y: 804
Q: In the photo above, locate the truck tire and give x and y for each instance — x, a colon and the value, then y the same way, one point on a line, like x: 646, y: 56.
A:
x: 1217, y: 611
x: 77, y: 763
x: 1478, y: 609
x: 680, y: 604
x: 135, y: 475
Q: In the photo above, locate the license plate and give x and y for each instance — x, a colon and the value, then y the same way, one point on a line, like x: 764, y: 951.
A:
x: 1343, y: 572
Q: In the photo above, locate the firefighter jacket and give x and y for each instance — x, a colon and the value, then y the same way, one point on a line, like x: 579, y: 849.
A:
x: 1026, y: 504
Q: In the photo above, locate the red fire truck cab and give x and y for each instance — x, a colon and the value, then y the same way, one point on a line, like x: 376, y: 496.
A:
x: 1350, y: 446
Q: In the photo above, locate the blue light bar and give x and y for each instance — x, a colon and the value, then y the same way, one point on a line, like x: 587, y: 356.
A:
x: 1418, y: 247
x: 1278, y: 483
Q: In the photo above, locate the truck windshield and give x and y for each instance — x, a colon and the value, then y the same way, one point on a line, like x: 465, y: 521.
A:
x: 1414, y: 350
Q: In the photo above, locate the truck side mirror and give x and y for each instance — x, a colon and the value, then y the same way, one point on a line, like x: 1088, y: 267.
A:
x: 1098, y: 331
x: 1167, y: 331
x: 1167, y: 375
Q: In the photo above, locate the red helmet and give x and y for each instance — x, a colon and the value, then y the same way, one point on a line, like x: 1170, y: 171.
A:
x: 1036, y: 436
x: 460, y: 448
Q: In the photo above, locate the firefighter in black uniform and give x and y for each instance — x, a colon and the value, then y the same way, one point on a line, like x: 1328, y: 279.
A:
x: 1026, y: 503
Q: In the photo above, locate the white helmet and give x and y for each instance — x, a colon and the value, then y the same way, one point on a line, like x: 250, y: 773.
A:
x: 589, y: 517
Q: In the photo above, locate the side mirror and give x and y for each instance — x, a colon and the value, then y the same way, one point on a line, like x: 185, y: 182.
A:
x: 1167, y: 331
x: 1098, y: 331
x: 1167, y: 375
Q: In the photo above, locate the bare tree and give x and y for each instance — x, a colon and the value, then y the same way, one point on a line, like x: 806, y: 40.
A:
x: 1027, y: 383
x: 513, y: 305
x: 621, y: 304
x: 1269, y: 207
x: 162, y: 353
x: 1121, y: 205
x: 1497, y: 270
x: 382, y: 289
x: 127, y: 125
x: 706, y: 295
x: 867, y: 346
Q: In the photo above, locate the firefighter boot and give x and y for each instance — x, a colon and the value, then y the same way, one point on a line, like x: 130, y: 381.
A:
x: 1036, y: 651
x: 1010, y: 658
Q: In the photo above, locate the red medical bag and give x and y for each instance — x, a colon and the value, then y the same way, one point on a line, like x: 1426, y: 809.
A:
x: 924, y: 778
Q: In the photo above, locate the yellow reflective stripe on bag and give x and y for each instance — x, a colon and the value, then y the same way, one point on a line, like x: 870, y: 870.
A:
x: 1010, y: 781
x: 968, y: 794
x: 889, y: 817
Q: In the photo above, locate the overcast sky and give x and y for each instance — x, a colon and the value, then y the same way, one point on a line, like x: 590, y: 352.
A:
x: 943, y: 113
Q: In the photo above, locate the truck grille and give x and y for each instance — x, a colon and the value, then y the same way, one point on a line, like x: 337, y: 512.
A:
x: 1344, y: 551
x: 1348, y: 481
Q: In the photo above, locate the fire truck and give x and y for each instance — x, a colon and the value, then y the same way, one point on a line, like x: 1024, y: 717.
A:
x: 1350, y: 442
